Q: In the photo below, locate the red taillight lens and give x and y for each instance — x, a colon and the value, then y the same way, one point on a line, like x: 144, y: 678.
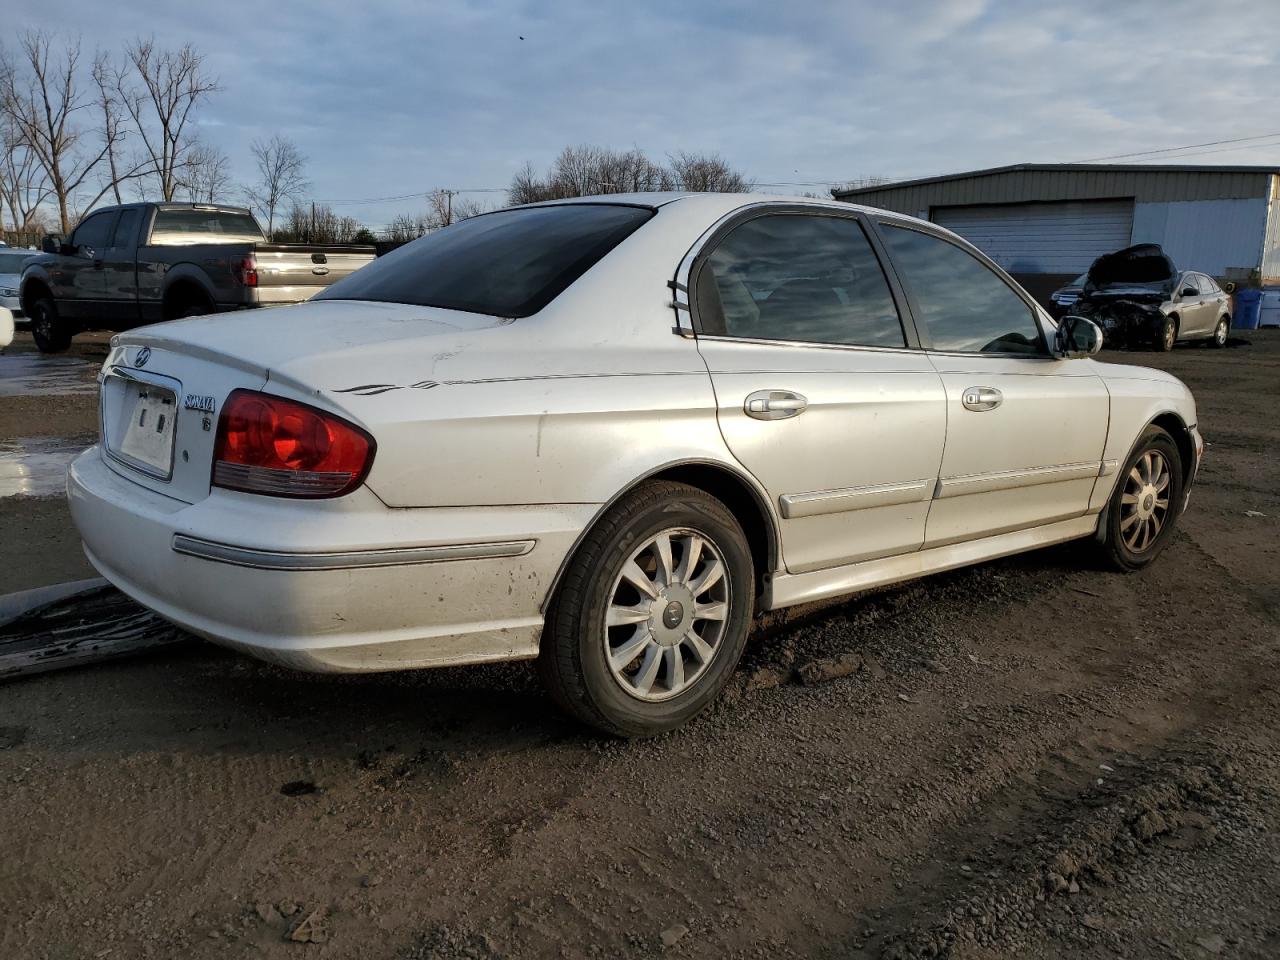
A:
x: 245, y: 270
x: 275, y: 446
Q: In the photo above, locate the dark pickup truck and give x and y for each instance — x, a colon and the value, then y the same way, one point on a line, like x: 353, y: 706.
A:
x: 145, y: 262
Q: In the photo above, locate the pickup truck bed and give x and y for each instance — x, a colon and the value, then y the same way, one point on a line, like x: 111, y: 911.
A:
x: 147, y: 262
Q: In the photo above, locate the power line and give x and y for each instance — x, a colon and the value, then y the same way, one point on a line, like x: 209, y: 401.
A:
x: 1185, y: 146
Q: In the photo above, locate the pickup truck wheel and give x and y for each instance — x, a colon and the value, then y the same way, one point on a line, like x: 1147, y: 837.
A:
x: 652, y: 615
x: 1221, y: 332
x: 1166, y: 335
x: 51, y: 333
x: 193, y: 306
x: 1145, y: 503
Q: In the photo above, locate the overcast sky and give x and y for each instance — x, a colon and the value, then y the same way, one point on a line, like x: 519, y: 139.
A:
x: 403, y: 97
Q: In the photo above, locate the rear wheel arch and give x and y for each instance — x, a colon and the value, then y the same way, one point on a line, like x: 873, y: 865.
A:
x: 748, y: 504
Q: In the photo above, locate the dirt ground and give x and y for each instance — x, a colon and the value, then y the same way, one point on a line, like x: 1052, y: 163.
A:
x: 1034, y: 759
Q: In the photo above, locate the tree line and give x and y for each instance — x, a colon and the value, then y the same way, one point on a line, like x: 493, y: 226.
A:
x: 78, y: 132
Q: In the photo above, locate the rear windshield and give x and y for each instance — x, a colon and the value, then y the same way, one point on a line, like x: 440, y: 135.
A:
x: 176, y: 227
x: 506, y: 264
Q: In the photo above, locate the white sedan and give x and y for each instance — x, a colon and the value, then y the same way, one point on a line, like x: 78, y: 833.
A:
x: 605, y: 433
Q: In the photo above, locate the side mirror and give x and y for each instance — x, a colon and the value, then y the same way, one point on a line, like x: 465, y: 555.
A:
x: 1189, y: 292
x: 52, y: 243
x: 86, y: 251
x: 1078, y: 337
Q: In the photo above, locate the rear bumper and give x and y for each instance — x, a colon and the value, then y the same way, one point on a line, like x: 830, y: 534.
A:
x: 347, y: 585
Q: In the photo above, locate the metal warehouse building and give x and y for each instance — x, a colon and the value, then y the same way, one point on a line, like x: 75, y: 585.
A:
x: 1045, y: 223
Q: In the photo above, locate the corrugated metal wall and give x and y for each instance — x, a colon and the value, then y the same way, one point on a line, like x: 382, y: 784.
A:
x: 1068, y: 183
x: 1057, y: 238
x: 1223, y: 238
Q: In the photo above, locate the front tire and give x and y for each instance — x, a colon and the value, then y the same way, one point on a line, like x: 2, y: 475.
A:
x: 1166, y: 335
x: 1145, y: 504
x: 51, y: 333
x: 652, y: 615
x: 1220, y: 333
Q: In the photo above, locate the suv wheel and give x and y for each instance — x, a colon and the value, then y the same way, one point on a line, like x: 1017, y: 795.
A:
x: 652, y: 615
x: 1145, y: 504
x: 52, y: 334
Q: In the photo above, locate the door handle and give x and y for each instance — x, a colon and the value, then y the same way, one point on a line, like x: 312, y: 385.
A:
x: 980, y: 399
x: 774, y: 404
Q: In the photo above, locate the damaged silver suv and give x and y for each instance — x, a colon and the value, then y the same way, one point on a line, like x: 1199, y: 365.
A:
x: 1139, y: 298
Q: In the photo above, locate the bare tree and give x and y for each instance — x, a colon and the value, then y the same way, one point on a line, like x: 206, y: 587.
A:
x: 445, y: 207
x: 405, y: 227
x: 159, y: 89
x: 281, y: 176
x: 586, y: 169
x: 41, y: 98
x: 112, y: 126
x: 706, y: 173
x: 207, y: 177
x: 317, y: 223
x: 24, y: 185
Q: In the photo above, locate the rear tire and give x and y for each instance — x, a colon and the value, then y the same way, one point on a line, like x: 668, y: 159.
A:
x: 51, y: 333
x: 1146, y: 503
x: 652, y: 615
x: 1166, y: 335
x: 190, y: 305
x: 1220, y: 333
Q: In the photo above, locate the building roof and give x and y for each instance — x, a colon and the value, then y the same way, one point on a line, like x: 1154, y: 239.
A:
x: 1062, y: 168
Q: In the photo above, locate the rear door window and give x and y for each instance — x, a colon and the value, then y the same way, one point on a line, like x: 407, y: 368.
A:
x: 126, y: 228
x: 800, y: 277
x: 506, y: 264
x: 965, y: 306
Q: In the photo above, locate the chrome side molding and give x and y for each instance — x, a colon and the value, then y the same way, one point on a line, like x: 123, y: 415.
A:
x: 346, y: 560
x: 796, y: 505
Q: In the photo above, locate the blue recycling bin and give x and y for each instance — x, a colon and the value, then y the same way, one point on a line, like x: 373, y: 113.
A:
x: 1248, y: 309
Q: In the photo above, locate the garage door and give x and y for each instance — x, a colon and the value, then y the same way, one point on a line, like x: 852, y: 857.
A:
x: 1043, y: 237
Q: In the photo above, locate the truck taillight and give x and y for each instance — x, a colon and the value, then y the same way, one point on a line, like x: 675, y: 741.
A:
x: 282, y: 448
x: 245, y: 270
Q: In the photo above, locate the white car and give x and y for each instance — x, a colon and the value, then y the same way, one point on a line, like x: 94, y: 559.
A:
x: 604, y: 433
x: 6, y: 327
x: 11, y: 263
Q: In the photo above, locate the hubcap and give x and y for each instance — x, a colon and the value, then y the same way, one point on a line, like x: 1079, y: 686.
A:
x: 1144, y: 504
x: 667, y: 614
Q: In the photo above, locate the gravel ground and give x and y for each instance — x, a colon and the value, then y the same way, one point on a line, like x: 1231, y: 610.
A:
x: 1032, y: 758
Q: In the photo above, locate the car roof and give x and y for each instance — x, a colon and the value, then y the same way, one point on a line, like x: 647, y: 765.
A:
x: 717, y: 203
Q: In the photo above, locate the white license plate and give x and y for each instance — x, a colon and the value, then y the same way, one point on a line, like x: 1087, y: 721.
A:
x: 148, y: 432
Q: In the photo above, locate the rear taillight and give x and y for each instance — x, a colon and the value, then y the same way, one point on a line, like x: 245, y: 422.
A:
x: 245, y: 270
x: 279, y: 447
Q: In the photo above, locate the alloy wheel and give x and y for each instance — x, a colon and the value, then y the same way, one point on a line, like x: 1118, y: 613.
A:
x: 1144, y: 505
x: 1170, y: 334
x: 1220, y: 333
x: 667, y: 614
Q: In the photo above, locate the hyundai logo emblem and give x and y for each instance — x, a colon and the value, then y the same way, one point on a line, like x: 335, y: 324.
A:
x: 143, y: 356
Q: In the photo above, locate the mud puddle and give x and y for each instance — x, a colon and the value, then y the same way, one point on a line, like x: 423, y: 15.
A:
x: 32, y: 375
x: 37, y: 466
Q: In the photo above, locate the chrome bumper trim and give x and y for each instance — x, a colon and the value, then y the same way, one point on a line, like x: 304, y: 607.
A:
x: 348, y: 560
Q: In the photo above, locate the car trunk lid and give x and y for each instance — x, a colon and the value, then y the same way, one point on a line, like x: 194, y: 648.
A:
x: 163, y: 386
